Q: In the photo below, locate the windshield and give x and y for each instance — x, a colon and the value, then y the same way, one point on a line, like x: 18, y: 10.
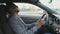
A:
x: 55, y: 5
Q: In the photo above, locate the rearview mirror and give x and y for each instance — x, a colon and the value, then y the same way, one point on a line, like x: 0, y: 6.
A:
x: 46, y: 1
x: 50, y: 1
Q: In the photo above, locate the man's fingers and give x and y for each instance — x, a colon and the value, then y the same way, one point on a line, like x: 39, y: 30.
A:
x: 42, y: 22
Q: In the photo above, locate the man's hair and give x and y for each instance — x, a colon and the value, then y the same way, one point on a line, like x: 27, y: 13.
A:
x: 11, y: 5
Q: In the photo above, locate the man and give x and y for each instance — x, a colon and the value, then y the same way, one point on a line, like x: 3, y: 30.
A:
x: 17, y: 24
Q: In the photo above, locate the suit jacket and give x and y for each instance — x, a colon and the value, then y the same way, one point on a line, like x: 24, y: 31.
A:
x: 19, y: 27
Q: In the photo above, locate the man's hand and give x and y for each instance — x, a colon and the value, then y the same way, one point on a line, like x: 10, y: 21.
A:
x: 40, y: 23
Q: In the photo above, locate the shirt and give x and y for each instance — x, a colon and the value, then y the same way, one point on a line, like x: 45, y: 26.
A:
x: 18, y: 26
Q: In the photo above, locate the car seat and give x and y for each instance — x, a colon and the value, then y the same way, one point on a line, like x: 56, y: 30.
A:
x: 3, y: 21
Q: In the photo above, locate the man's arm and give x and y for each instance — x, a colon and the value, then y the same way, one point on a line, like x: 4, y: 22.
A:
x: 15, y: 24
x: 30, y: 25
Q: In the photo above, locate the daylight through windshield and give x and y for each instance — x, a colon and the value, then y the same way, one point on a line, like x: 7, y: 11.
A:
x: 55, y: 5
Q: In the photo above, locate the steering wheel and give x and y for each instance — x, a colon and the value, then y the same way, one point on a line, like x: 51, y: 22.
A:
x: 45, y: 18
x: 43, y: 28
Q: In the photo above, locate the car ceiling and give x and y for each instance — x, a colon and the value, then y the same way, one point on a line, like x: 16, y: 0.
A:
x: 27, y: 1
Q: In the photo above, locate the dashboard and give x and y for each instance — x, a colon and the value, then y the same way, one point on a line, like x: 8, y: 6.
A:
x: 54, y: 22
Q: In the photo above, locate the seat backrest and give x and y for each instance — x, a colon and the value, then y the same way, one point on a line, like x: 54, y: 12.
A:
x: 3, y: 21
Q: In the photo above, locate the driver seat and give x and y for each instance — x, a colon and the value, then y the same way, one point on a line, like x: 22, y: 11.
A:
x: 3, y: 21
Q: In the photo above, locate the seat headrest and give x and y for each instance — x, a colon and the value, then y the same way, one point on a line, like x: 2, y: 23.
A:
x: 2, y: 9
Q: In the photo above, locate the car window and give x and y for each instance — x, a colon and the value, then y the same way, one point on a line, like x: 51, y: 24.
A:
x: 2, y: 3
x: 26, y: 9
x: 55, y: 5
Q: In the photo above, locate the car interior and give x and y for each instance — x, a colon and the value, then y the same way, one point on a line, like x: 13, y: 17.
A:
x: 31, y: 11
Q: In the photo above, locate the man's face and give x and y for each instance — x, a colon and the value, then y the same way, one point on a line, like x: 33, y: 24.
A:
x: 13, y: 10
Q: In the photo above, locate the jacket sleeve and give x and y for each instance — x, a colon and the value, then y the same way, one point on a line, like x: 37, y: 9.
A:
x: 15, y: 24
x: 29, y: 26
